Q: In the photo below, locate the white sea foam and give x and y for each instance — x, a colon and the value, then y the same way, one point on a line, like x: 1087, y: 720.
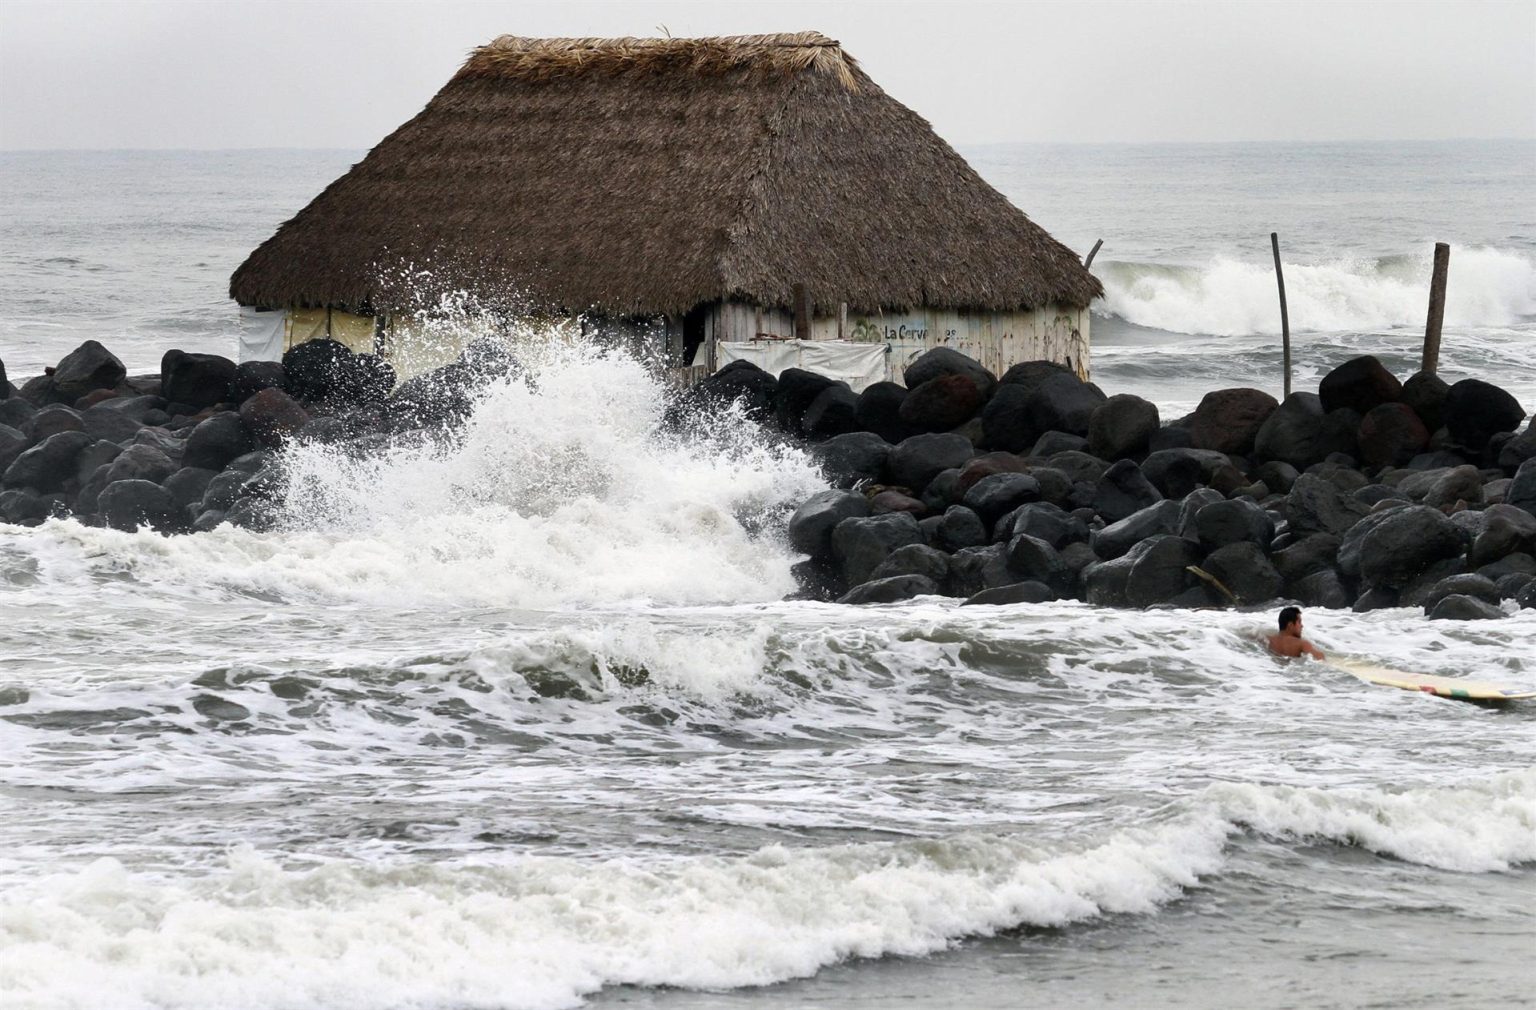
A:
x: 542, y: 931
x: 563, y: 490
x: 1227, y: 297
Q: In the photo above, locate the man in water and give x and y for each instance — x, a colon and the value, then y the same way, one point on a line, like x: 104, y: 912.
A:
x: 1289, y: 642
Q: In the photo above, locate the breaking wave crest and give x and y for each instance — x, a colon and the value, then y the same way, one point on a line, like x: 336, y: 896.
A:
x: 1227, y: 297
x: 544, y: 931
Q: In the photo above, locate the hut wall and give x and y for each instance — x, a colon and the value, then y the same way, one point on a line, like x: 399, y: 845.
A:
x: 996, y: 339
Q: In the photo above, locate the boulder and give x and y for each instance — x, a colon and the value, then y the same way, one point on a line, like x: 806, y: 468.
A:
x: 1295, y: 433
x: 1177, y: 472
x: 1477, y: 586
x: 1462, y: 483
x: 52, y: 419
x: 941, y: 403
x: 946, y: 361
x: 1522, y: 493
x: 993, y: 496
x: 892, y: 590
x: 959, y: 528
x: 1475, y: 411
x: 1519, y: 448
x: 1526, y: 598
x: 188, y: 485
x: 1317, y: 505
x: 860, y: 544
x: 1049, y: 523
x: 1360, y: 384
x: 1391, y: 435
x: 879, y: 411
x: 1119, y: 538
x: 272, y: 416
x: 1242, y: 567
x: 12, y: 444
x: 1463, y: 608
x: 217, y: 440
x: 1348, y: 548
x: 159, y: 438
x: 316, y: 368
x: 1277, y: 476
x: 224, y: 490
x: 1321, y: 589
x: 1061, y: 403
x: 833, y: 412
x: 1407, y: 541
x: 891, y: 500
x: 919, y: 459
x: 437, y: 400
x: 975, y: 569
x: 106, y: 424
x: 1105, y: 582
x: 797, y: 390
x: 1507, y: 530
x: 1228, y: 420
x: 914, y: 559
x: 1029, y: 374
x: 943, y: 491
x: 1121, y: 427
x: 131, y: 504
x: 251, y: 377
x: 1033, y: 559
x: 1189, y: 508
x: 141, y: 462
x: 1018, y: 592
x: 1512, y: 585
x: 852, y: 458
x: 1425, y: 392
x: 1233, y: 522
x: 810, y: 528
x: 197, y: 380
x: 1005, y: 423
x: 17, y: 413
x: 743, y: 382
x: 88, y: 367
x: 47, y: 465
x: 24, y: 507
x: 989, y: 464
x: 1161, y: 572
x: 1123, y: 491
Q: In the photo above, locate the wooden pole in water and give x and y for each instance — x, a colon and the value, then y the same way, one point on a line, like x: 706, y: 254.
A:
x: 1092, y: 253
x: 802, y: 313
x: 1436, y: 309
x: 1285, y: 316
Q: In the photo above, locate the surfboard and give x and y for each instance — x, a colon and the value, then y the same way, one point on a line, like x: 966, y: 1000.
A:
x: 1442, y: 687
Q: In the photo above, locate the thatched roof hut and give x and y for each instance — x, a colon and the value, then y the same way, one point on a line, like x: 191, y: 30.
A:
x: 648, y: 176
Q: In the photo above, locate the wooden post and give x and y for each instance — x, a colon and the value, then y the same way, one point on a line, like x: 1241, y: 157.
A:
x: 842, y: 321
x: 802, y: 313
x: 1431, y: 360
x: 1285, y: 317
x: 1092, y: 253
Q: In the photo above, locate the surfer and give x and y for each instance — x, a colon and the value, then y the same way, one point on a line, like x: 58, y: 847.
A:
x: 1289, y: 642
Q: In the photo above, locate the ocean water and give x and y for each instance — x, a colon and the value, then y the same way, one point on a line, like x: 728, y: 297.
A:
x: 522, y: 721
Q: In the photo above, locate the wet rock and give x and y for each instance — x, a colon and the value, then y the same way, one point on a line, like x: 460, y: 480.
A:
x: 131, y: 504
x: 1119, y: 538
x: 1228, y: 420
x: 1123, y: 491
x: 1321, y: 589
x: 434, y: 401
x: 810, y: 528
x: 12, y: 444
x: 892, y: 590
x: 816, y: 581
x: 941, y: 403
x: 852, y: 458
x: 1121, y: 427
x: 1518, y: 563
x: 24, y: 507
x: 1062, y: 403
x: 1375, y: 598
x: 272, y: 416
x: 1295, y: 433
x: 217, y: 440
x: 1232, y: 522
x: 1105, y: 582
x: 1018, y: 592
x: 1242, y: 567
x: 1177, y: 472
x: 1463, y: 608
x: 251, y: 514
x: 47, y: 465
x: 896, y: 501
x: 1278, y: 476
x: 197, y: 380
x: 988, y: 464
x: 943, y: 491
x: 1371, y: 494
x: 1512, y: 585
x: 946, y: 361
x: 1029, y: 374
x: 316, y: 369
x: 859, y: 545
x: 1049, y: 523
x: 1477, y: 586
x: 974, y: 569
x: 1033, y: 559
x: 251, y: 377
x: 1079, y: 467
x: 141, y: 462
x: 1005, y: 423
x: 1172, y: 436
x: 797, y: 390
x: 1507, y: 530
x: 103, y: 423
x: 1317, y: 505
x: 993, y: 496
x: 1360, y: 384
x: 88, y: 367
x: 17, y: 413
x: 1475, y: 411
x: 1462, y: 483
x: 224, y: 490
x: 919, y: 459
x: 914, y: 559
x: 1161, y: 572
x: 1522, y: 493
x: 53, y: 419
x: 188, y: 485
x: 740, y: 381
x: 1426, y: 393
x: 960, y: 527
x: 1518, y: 449
x: 1526, y: 598
x: 1404, y: 543
x: 833, y: 412
x: 1311, y: 554
x: 879, y: 411
x: 1391, y: 435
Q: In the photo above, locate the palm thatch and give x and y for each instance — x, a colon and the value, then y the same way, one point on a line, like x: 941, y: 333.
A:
x: 647, y: 176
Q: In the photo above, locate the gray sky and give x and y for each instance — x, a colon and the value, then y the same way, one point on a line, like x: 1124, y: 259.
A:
x: 81, y: 74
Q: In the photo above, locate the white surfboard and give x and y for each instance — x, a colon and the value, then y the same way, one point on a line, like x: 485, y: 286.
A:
x: 1442, y: 687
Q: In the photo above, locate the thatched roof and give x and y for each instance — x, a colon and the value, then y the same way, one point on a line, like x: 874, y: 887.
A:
x: 642, y: 176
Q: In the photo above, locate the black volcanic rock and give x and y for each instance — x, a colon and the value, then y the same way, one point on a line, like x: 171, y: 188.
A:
x: 1475, y: 411
x: 1360, y: 384
x: 88, y: 367
x: 946, y: 361
x: 1121, y: 427
x: 197, y: 380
